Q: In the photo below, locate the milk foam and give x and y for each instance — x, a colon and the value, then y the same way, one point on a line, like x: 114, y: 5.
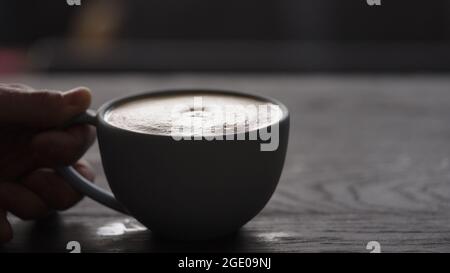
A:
x: 205, y: 113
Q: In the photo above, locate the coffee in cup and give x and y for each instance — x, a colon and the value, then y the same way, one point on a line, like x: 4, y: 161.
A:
x: 179, y: 167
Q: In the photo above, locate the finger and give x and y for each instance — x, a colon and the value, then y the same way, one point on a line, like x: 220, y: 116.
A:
x: 53, y: 189
x: 5, y: 227
x: 42, y: 109
x: 19, y: 86
x: 21, y: 201
x: 62, y: 147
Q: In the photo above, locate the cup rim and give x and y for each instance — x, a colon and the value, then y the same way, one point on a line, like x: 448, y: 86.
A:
x: 120, y: 100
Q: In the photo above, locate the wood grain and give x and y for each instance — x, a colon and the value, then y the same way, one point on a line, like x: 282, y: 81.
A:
x: 369, y: 159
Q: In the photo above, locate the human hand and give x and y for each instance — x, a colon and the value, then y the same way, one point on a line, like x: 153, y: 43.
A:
x: 30, y: 147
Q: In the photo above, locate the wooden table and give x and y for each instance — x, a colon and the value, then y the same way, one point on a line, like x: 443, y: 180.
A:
x: 368, y: 160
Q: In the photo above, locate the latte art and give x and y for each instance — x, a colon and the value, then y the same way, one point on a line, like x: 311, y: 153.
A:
x: 194, y: 114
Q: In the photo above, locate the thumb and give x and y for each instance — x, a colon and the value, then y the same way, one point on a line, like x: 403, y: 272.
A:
x: 42, y: 108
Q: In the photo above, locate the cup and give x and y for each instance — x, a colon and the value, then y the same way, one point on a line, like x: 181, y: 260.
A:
x: 188, y: 190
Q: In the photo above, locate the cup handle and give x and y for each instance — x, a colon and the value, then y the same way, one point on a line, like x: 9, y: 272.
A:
x: 81, y: 184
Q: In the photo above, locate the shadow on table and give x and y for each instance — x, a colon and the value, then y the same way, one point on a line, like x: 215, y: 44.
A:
x: 237, y: 242
x: 53, y: 234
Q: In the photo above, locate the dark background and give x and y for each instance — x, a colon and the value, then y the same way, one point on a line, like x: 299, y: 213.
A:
x: 368, y: 157
x: 232, y: 35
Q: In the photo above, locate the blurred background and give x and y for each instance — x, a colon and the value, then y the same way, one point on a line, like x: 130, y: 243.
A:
x: 224, y: 36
